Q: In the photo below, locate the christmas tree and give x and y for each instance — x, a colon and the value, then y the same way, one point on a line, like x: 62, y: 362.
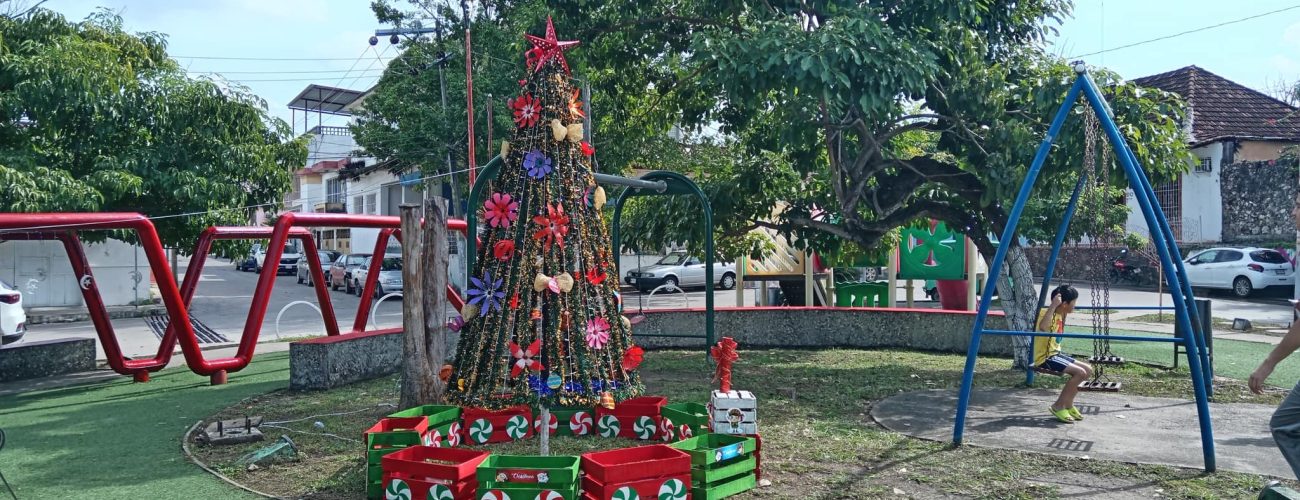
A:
x: 543, y: 322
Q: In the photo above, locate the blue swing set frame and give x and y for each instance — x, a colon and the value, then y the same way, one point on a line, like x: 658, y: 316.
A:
x: 1184, y: 305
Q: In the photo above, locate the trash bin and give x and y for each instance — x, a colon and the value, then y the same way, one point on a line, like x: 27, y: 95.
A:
x: 1203, y: 307
x: 775, y: 297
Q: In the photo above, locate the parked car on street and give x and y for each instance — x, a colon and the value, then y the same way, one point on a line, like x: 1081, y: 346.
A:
x: 340, y: 273
x: 13, y: 319
x: 390, y: 276
x: 327, y: 258
x: 1242, y: 270
x: 249, y: 263
x: 681, y: 270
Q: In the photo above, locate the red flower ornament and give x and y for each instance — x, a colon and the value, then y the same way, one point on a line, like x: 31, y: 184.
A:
x: 527, y: 110
x: 503, y: 249
x: 523, y: 358
x: 555, y: 225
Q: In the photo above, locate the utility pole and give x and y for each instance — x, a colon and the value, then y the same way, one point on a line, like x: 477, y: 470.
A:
x: 469, y: 92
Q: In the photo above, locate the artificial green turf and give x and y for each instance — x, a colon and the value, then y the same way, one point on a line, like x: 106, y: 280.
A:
x: 119, y: 439
x: 1232, y: 358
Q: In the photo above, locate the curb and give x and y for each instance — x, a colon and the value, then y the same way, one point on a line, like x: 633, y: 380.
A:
x: 42, y: 318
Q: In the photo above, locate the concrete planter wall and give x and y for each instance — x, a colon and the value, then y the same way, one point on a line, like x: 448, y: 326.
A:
x: 327, y: 362
x: 818, y: 327
x: 46, y: 358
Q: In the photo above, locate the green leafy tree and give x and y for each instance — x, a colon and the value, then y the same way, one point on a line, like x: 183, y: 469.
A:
x: 834, y: 94
x: 98, y: 119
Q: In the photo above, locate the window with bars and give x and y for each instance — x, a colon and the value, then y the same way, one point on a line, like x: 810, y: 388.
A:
x: 372, y: 203
x: 1170, y: 198
x: 1204, y: 165
x: 358, y: 205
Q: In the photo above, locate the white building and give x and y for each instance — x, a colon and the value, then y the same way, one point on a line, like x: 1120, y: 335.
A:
x: 1226, y: 123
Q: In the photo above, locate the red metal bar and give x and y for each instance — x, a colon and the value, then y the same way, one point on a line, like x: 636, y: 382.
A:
x: 372, y: 277
x: 63, y: 227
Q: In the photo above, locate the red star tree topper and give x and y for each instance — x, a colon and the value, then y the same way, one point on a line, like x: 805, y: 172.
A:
x: 546, y: 49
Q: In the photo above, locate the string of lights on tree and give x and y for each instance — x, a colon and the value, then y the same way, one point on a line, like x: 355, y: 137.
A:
x: 543, y: 323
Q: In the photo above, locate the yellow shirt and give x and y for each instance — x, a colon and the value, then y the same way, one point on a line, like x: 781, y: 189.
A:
x: 1045, y: 347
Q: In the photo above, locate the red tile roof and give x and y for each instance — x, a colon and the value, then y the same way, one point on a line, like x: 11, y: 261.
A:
x: 1224, y: 109
x: 324, y: 166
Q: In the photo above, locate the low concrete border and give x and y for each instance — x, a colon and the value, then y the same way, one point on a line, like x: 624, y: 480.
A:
x: 326, y: 362
x: 818, y: 327
x: 46, y: 358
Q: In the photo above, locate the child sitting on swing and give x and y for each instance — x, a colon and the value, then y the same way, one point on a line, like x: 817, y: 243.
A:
x: 1047, y: 353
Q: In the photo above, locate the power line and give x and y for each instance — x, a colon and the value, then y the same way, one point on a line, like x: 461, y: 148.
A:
x: 1188, y: 32
x: 280, y: 72
x: 225, y: 58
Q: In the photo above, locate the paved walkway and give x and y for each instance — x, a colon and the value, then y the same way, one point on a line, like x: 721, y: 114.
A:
x: 1117, y: 427
x: 1117, y: 321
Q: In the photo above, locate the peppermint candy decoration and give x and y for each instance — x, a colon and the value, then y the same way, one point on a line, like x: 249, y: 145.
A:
x: 685, y: 431
x: 580, y: 423
x: 480, y: 431
x: 608, y: 426
x: 548, y: 495
x: 517, y: 427
x: 453, y: 435
x: 397, y: 490
x: 644, y: 428
x: 494, y: 495
x: 666, y: 430
x: 440, y: 492
x: 433, y: 438
x: 625, y: 493
x: 672, y: 489
x: 551, y: 425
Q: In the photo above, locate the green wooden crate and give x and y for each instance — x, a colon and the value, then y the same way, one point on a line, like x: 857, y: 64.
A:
x: 725, y: 489
x: 693, y: 414
x: 723, y: 471
x: 437, y: 415
x: 526, y: 471
x: 709, y: 449
x: 374, y: 481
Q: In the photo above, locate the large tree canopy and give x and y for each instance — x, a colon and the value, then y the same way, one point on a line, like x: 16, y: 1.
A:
x: 93, y: 118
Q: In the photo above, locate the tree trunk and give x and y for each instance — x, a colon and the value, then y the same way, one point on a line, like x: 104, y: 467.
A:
x: 1019, y: 300
x: 434, y: 269
x: 417, y: 375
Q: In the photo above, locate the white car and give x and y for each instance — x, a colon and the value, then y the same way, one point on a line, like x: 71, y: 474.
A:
x: 13, y: 319
x: 1242, y: 270
x: 288, y: 259
x: 682, y: 270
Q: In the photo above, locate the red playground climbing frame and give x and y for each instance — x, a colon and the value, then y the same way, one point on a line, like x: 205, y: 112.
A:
x: 64, y: 227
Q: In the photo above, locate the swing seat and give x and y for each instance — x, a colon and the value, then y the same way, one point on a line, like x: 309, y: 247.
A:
x: 1099, y: 386
x: 1106, y: 360
x: 1046, y: 371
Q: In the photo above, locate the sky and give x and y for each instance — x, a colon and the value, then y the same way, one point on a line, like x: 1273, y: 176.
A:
x: 332, y: 38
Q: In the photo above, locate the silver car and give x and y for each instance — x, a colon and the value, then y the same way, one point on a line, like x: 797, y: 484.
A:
x: 390, y: 276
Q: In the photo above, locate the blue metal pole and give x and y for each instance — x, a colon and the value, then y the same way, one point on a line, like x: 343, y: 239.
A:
x: 1136, y: 177
x: 1051, y: 261
x: 1188, y: 295
x: 1008, y: 239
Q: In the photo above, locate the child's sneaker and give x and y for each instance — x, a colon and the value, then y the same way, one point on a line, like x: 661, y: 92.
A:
x: 1074, y: 413
x: 1062, y: 415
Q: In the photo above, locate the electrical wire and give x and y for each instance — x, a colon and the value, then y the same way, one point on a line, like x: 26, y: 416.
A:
x: 339, y: 414
x: 1188, y: 32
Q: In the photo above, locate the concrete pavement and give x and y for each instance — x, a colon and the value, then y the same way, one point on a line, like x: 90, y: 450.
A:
x: 1117, y: 426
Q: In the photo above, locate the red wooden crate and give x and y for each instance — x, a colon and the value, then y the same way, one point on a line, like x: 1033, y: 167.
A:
x: 631, y: 464
x: 642, y: 405
x: 497, y: 426
x: 643, y: 427
x: 425, y: 490
x: 676, y: 487
x: 414, y: 462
